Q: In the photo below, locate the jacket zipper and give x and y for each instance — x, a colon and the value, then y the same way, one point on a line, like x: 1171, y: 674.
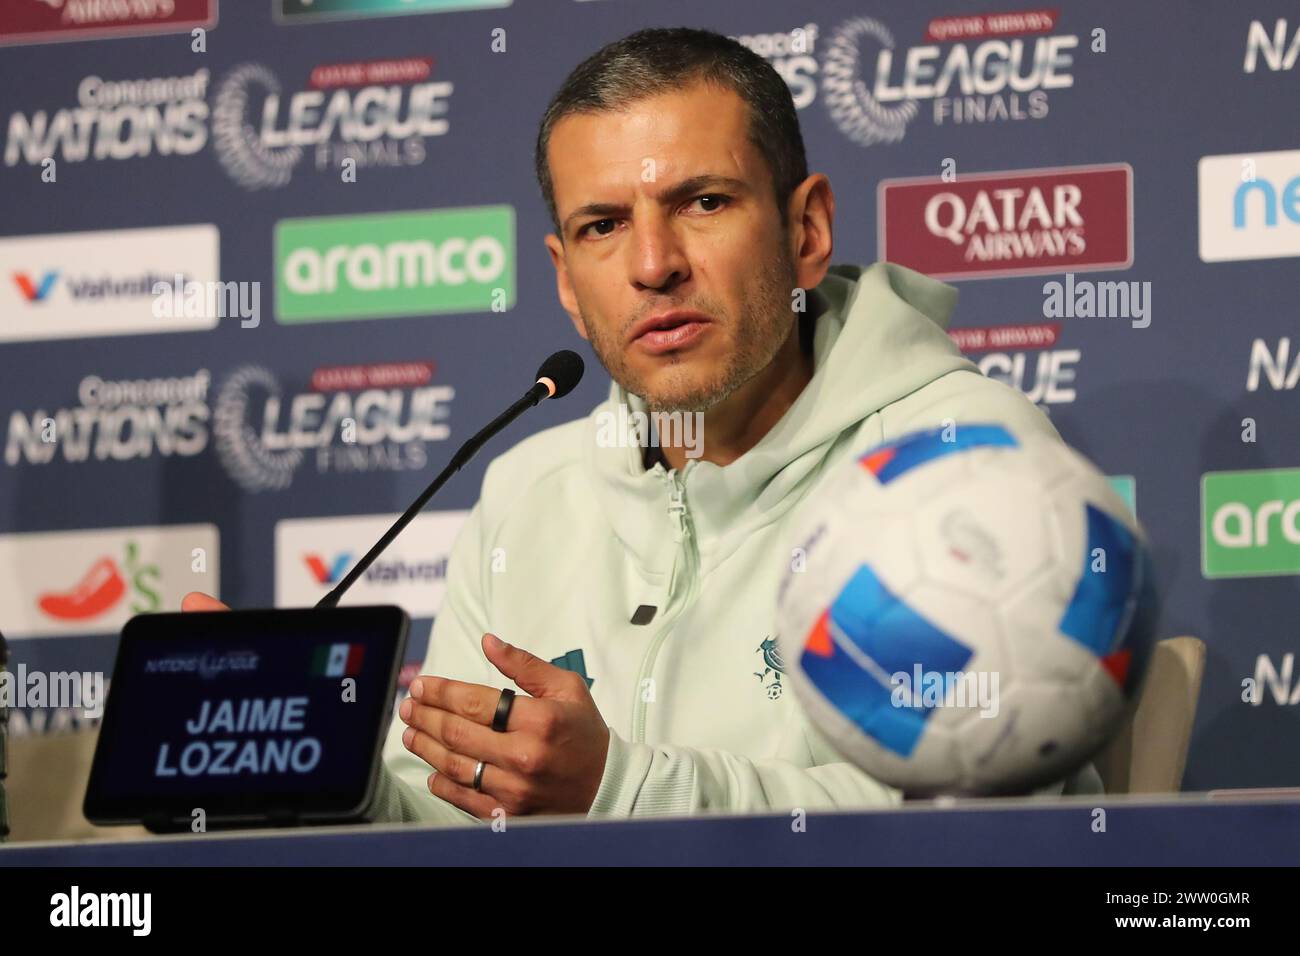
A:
x: 682, y: 533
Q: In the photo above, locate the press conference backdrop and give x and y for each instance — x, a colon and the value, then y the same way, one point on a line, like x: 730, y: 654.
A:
x: 1113, y: 185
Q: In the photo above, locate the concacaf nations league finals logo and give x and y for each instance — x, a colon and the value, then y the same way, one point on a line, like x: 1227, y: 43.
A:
x: 370, y: 114
x: 358, y: 418
x: 859, y: 114
x: 1005, y: 73
x: 245, y: 456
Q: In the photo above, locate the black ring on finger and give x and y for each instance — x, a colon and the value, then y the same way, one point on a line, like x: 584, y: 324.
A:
x: 502, y: 716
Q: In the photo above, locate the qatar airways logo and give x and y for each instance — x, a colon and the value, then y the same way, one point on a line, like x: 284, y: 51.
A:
x: 873, y: 88
x: 1066, y: 219
x: 351, y: 116
x: 351, y: 419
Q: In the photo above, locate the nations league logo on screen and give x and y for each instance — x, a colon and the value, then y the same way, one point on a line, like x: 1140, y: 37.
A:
x: 352, y: 115
x: 359, y: 418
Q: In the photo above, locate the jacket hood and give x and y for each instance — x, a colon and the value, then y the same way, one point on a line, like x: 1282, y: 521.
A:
x: 880, y: 335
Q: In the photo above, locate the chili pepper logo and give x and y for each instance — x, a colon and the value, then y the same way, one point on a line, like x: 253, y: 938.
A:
x: 102, y: 587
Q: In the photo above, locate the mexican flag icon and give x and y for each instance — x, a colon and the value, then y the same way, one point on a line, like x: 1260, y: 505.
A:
x: 337, y: 660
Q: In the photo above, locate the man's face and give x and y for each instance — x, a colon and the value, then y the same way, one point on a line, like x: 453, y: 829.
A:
x: 674, y: 264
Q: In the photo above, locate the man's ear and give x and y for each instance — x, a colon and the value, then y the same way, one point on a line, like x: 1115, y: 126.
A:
x: 812, y: 221
x: 563, y: 287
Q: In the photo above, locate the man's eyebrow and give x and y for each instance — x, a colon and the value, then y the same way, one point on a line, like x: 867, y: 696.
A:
x: 674, y: 194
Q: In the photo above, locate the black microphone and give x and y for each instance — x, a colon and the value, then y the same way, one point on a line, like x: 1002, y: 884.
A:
x: 556, y: 378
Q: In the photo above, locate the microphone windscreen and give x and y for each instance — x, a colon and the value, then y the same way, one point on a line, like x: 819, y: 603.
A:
x: 564, y: 369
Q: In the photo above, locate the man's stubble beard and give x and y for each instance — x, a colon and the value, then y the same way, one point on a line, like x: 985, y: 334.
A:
x: 766, y: 320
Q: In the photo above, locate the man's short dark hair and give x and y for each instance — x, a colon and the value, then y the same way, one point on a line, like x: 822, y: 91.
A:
x: 657, y: 61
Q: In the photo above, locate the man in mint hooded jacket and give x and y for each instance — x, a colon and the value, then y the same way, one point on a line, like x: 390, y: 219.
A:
x: 637, y: 586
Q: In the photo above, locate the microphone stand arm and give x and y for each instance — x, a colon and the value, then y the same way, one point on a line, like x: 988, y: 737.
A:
x: 458, y: 460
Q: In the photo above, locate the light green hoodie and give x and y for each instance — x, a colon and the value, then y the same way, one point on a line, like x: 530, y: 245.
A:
x: 571, y: 535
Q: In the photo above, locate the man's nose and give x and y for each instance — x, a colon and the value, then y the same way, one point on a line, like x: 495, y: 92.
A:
x: 658, y: 259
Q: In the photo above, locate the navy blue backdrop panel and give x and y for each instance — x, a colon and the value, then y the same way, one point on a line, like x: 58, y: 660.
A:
x: 264, y: 264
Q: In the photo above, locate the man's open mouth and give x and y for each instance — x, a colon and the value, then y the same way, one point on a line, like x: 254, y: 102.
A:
x: 669, y: 331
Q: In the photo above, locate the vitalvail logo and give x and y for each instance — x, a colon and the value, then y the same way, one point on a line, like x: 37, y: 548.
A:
x: 105, y: 282
x: 313, y: 554
x: 374, y: 125
x: 138, y: 286
x: 380, y: 572
x: 36, y: 291
x: 331, y: 572
x: 987, y: 78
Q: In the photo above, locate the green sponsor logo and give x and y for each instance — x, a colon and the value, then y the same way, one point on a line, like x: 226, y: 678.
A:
x: 1250, y: 523
x: 299, y: 10
x: 405, y: 263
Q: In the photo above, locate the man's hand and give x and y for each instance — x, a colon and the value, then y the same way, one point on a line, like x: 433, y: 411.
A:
x: 549, y: 759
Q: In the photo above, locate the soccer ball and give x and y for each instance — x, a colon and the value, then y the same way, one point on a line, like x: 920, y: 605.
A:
x: 968, y: 611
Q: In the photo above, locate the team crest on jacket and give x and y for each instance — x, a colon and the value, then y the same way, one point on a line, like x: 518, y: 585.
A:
x: 574, y: 661
x: 773, y: 668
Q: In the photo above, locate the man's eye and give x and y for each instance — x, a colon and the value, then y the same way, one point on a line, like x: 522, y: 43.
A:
x: 594, y: 225
x: 720, y: 201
